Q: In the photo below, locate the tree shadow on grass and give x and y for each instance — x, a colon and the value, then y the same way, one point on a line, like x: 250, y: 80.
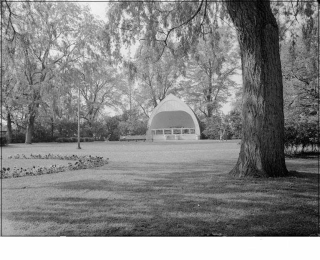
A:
x: 302, y: 165
x: 182, y: 202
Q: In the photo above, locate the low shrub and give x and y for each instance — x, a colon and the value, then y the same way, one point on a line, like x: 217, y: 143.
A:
x: 301, y: 137
x: 3, y: 140
x: 17, y: 141
x: 74, y: 139
x: 59, y: 140
x: 18, y: 137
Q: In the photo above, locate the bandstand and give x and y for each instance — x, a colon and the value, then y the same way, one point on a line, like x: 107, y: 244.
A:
x: 172, y: 119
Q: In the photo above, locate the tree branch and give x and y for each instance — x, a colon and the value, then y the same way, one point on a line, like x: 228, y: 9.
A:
x: 184, y: 23
x: 144, y: 111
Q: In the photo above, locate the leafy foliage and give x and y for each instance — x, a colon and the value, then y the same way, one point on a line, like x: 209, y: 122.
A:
x: 299, y: 53
x: 213, y: 127
x: 156, y: 79
x: 52, y: 50
x: 210, y: 69
x: 185, y: 48
x: 235, y: 123
x: 3, y: 141
x: 131, y: 124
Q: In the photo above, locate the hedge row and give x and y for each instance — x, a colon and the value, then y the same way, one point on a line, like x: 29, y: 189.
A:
x: 3, y: 141
x: 74, y: 139
x: 301, y: 137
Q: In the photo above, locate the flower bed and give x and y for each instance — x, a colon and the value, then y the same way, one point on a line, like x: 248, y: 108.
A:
x: 82, y: 162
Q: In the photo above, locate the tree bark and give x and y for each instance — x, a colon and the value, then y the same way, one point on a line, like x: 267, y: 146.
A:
x: 262, y: 144
x: 209, y: 101
x: 52, y: 127
x: 30, y: 127
x: 9, y: 128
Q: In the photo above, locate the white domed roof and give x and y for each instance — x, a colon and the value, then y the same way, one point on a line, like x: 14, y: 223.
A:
x: 173, y: 112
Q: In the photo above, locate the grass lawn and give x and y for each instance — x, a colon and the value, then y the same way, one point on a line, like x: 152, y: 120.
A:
x: 173, y: 188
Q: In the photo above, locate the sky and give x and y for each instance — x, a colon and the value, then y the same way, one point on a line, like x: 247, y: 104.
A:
x: 99, y: 9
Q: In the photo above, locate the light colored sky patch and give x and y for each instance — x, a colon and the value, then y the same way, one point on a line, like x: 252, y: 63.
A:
x: 97, y: 8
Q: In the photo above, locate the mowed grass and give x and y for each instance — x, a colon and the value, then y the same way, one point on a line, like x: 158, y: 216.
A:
x: 158, y: 189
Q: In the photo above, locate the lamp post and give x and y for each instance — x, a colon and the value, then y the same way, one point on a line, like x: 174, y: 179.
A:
x: 79, y: 118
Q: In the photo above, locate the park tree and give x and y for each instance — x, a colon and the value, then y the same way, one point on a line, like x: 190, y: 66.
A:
x: 262, y: 144
x: 43, y: 37
x: 11, y: 97
x: 9, y: 86
x: 100, y: 82
x: 53, y: 41
x: 208, y: 84
x: 132, y: 123
x: 156, y: 78
x: 210, y: 68
x: 146, y: 80
x: 98, y: 88
x: 299, y: 55
x: 235, y: 123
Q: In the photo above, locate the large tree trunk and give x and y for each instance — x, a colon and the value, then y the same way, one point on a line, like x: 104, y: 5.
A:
x: 262, y: 144
x: 30, y: 127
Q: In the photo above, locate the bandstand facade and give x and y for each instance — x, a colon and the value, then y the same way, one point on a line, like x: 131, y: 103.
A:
x: 172, y: 119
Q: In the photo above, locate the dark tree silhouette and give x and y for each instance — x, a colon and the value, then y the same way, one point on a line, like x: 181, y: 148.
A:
x: 262, y: 145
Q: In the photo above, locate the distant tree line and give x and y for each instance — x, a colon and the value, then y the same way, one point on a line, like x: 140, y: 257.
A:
x: 53, y: 51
